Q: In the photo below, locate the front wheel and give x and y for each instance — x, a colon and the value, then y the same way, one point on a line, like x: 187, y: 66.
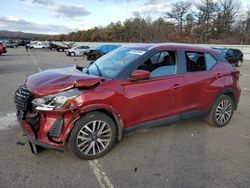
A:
x: 93, y: 136
x: 221, y: 112
x: 72, y: 54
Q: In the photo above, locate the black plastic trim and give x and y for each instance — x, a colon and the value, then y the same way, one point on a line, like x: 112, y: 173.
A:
x: 166, y: 121
x: 46, y: 146
x: 38, y: 143
x: 229, y: 90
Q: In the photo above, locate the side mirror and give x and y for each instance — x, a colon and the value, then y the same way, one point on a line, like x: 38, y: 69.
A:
x: 140, y: 75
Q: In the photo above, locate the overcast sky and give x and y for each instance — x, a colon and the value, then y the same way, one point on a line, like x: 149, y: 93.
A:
x: 64, y: 16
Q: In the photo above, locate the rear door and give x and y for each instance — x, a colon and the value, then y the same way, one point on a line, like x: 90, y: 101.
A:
x: 201, y: 82
x: 157, y: 97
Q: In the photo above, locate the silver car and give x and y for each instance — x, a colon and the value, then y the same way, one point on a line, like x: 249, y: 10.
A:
x: 77, y: 50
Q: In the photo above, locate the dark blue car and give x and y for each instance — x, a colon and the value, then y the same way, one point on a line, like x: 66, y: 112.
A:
x: 100, y: 50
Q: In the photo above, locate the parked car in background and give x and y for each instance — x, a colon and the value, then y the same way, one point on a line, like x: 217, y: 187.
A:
x: 23, y: 42
x: 77, y: 50
x: 37, y: 45
x: 10, y: 44
x: 135, y: 86
x: 233, y: 56
x: 60, y: 46
x: 100, y: 50
x: 2, y: 49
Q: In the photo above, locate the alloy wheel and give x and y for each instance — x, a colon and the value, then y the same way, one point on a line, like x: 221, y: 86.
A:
x: 223, y: 112
x: 94, y: 137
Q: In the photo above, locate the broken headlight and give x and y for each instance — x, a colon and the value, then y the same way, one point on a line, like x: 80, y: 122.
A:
x: 60, y: 100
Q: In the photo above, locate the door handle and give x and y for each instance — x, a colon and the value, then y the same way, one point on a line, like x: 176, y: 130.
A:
x: 175, y: 86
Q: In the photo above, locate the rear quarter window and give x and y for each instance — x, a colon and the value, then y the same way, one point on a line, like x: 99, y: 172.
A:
x: 210, y: 61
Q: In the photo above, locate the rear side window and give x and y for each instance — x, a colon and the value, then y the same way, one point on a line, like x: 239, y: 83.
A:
x: 199, y: 61
x: 195, y: 61
x: 236, y: 52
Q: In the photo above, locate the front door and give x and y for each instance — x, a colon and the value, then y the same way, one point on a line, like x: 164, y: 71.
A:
x: 157, y: 97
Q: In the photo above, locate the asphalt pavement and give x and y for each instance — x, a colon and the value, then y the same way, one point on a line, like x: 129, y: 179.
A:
x: 187, y: 154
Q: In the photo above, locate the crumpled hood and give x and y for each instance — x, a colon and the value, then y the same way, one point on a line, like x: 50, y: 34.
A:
x: 58, y: 80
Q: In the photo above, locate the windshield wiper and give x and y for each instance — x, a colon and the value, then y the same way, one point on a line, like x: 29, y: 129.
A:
x: 98, y: 69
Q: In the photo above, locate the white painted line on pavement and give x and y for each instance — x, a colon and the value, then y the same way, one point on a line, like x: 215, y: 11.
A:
x: 246, y: 89
x: 35, y: 63
x: 244, y: 136
x: 243, y: 74
x: 101, y: 176
x: 7, y: 120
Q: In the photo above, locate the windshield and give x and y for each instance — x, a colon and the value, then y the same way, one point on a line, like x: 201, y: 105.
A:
x: 111, y: 64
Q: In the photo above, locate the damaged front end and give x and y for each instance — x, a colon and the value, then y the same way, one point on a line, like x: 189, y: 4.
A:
x: 47, y: 120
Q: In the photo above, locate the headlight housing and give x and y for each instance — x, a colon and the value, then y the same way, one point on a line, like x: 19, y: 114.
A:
x: 60, y: 100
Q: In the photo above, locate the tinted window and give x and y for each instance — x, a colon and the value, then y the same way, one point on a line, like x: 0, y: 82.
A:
x: 160, y: 64
x: 210, y: 61
x: 195, y: 61
x: 236, y: 52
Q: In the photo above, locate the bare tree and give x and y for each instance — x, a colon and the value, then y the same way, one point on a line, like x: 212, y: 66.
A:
x: 179, y: 12
x: 205, y: 16
x: 226, y: 15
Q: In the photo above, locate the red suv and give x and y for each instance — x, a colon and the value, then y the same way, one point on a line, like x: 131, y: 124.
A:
x: 131, y: 87
x: 2, y: 49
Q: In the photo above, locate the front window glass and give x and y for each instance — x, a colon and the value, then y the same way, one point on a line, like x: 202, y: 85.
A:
x: 111, y: 64
x: 161, y: 64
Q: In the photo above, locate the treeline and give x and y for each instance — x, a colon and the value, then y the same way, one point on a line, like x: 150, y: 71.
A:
x: 207, y: 21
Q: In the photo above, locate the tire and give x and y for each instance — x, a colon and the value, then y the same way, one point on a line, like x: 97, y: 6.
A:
x: 0, y: 53
x: 72, y: 54
x: 84, y: 144
x: 220, y: 116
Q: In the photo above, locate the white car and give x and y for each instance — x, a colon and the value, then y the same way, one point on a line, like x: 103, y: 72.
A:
x: 77, y: 50
x: 37, y: 45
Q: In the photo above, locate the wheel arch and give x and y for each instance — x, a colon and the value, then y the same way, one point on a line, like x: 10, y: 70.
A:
x: 229, y: 92
x: 118, y: 121
x: 115, y: 118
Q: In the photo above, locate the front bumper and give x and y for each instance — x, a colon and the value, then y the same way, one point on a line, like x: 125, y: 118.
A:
x: 31, y: 137
x: 45, y: 132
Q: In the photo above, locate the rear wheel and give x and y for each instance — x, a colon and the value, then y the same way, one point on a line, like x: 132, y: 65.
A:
x: 93, y: 136
x: 221, y: 112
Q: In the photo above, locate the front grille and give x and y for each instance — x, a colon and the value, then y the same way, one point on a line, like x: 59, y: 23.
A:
x: 23, y: 99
